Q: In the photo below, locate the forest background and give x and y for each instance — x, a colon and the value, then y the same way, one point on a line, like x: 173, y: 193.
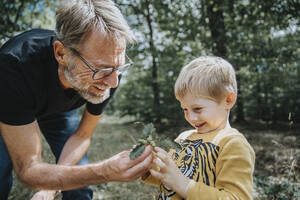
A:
x: 260, y: 38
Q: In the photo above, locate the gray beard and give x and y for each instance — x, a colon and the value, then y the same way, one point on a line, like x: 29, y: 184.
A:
x: 82, y: 88
x: 92, y: 98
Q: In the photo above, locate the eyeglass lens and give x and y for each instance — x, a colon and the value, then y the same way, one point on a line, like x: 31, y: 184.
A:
x: 108, y: 71
x: 102, y: 74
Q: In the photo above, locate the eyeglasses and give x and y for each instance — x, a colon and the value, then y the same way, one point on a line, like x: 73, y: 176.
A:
x: 104, y: 72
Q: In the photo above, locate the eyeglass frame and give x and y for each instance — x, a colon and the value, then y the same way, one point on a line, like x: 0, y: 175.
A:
x: 95, y: 71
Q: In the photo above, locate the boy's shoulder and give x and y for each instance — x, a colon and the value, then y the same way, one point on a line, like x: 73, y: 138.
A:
x: 232, y: 140
x: 182, y: 136
x: 226, y: 134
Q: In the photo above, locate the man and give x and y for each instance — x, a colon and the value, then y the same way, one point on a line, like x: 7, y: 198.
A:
x: 44, y: 77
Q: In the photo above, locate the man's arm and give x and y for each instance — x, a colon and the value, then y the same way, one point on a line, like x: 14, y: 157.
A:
x: 24, y: 146
x: 75, y: 147
x: 78, y: 144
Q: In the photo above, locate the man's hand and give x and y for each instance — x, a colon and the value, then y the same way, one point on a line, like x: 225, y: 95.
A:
x: 168, y: 173
x: 44, y: 195
x: 121, y: 168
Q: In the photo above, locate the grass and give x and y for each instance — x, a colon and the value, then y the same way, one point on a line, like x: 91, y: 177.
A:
x: 276, y: 168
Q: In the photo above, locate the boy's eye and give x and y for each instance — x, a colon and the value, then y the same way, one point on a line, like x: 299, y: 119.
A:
x: 184, y: 109
x: 197, y: 109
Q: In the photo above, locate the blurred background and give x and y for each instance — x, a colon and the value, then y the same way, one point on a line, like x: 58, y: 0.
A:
x: 260, y: 38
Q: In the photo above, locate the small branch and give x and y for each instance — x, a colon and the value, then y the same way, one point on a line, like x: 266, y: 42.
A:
x: 19, y: 11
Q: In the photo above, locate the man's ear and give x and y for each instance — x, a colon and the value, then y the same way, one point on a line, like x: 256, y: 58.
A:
x: 60, y: 53
x: 230, y: 100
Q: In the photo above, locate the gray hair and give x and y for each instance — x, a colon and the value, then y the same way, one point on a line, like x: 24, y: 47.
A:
x: 74, y: 18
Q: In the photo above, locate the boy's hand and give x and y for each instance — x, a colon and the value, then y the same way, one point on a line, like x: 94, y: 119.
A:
x: 169, y: 174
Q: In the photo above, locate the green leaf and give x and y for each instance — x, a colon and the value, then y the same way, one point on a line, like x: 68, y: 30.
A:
x: 148, y: 130
x: 137, y: 151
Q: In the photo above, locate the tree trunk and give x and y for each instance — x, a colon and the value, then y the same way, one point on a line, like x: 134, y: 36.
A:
x: 155, y: 86
x: 217, y: 27
x: 218, y: 33
x: 240, y: 117
x: 258, y: 110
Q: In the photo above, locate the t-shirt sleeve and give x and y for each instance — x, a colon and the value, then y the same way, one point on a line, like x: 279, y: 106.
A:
x: 234, y: 172
x: 16, y: 105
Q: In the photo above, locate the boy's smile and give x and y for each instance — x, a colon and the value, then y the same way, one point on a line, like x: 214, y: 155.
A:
x: 204, y: 113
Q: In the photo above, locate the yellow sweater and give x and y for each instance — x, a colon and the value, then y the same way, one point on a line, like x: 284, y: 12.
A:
x: 220, y: 163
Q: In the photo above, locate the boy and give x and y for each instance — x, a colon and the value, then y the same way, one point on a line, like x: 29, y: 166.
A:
x: 216, y: 161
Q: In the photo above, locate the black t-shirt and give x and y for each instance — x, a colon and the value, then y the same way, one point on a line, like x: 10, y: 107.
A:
x: 29, y: 83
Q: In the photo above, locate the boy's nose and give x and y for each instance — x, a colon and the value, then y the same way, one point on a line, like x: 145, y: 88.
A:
x: 112, y: 80
x: 192, y: 116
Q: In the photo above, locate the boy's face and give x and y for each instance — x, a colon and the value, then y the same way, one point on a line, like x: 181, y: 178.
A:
x: 204, y: 113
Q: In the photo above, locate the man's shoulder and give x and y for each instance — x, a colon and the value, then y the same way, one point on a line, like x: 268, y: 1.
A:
x: 36, y: 34
x: 29, y: 35
x: 28, y: 42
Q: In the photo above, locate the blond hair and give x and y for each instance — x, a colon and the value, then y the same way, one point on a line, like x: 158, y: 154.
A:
x: 207, y: 75
x: 75, y: 18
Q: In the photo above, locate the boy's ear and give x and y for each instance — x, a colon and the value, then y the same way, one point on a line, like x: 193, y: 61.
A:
x: 60, y: 53
x: 230, y: 100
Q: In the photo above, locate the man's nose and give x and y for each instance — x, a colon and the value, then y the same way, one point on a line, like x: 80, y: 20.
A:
x: 112, y: 80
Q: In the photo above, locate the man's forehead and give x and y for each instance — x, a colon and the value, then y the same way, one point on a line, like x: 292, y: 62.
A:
x: 111, y: 60
x: 104, y: 50
x: 109, y: 48
x: 119, y: 50
x: 96, y: 41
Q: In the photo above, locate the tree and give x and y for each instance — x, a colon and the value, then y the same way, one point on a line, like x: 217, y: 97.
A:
x: 21, y: 15
x: 247, y: 33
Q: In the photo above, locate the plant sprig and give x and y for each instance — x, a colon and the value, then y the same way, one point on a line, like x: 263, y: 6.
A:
x: 148, y: 131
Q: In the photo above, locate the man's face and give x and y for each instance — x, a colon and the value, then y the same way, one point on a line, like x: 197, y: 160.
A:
x: 83, y: 86
x: 100, y: 53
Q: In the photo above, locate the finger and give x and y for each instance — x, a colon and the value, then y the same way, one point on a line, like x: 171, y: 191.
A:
x: 132, y: 147
x: 156, y: 174
x: 148, y: 150
x: 158, y: 162
x: 154, y: 153
x: 145, y: 175
x: 146, y: 153
x: 158, y: 149
x: 162, y: 156
x: 140, y: 168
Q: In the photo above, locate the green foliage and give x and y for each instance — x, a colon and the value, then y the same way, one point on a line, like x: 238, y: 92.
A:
x: 260, y: 39
x: 22, y: 15
x: 149, y: 130
x: 148, y: 133
x: 276, y: 188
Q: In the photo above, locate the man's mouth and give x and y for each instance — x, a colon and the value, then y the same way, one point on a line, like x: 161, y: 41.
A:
x: 98, y: 90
